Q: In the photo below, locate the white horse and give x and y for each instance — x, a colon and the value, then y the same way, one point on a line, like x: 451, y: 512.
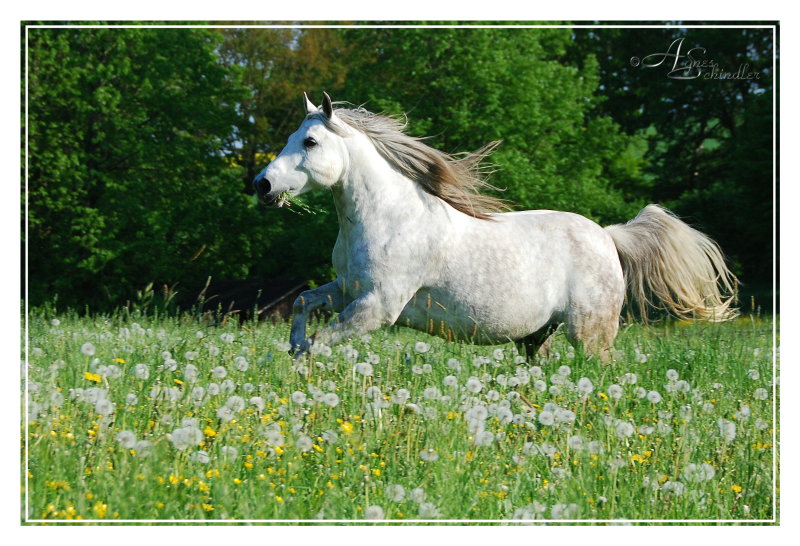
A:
x: 419, y: 246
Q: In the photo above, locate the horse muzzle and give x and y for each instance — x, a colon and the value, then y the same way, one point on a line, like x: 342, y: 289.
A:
x: 263, y: 188
x: 267, y: 193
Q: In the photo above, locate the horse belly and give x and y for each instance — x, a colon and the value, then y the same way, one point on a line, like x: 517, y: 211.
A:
x: 456, y: 316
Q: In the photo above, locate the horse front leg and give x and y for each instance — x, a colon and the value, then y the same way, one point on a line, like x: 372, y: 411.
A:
x: 328, y: 296
x: 364, y: 314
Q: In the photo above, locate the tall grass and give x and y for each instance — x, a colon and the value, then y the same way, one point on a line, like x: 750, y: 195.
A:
x: 132, y: 417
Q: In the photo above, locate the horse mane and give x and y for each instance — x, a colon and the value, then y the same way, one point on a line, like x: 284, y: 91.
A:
x: 456, y: 180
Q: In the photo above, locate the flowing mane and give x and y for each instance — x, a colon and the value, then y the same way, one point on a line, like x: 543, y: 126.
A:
x: 458, y: 181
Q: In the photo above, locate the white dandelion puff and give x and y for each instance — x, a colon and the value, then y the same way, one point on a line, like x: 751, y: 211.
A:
x: 585, y: 386
x: 241, y: 363
x: 190, y: 373
x: 624, y: 429
x: 483, y: 438
x: 428, y: 510
x: 229, y: 453
x: 219, y: 372
x: 236, y: 403
x: 299, y: 397
x: 401, y: 396
x: 474, y: 385
x: 374, y: 512
x: 104, y: 407
x: 200, y: 456
x: 226, y: 414
x: 364, y: 368
x: 88, y: 349
x: 395, y: 492
x: 141, y: 371
x: 547, y: 418
x: 727, y: 429
x: 304, y: 443
x: 654, y: 397
x: 428, y: 455
x: 421, y: 347
x: 126, y: 439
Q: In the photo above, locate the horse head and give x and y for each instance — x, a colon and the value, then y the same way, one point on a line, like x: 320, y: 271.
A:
x: 314, y: 157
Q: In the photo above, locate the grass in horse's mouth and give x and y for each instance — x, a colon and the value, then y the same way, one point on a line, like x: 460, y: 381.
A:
x: 284, y: 199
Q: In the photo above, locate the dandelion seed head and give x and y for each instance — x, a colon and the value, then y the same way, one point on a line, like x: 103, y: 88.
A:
x: 395, y: 492
x: 141, y: 371
x: 428, y: 510
x: 304, y: 443
x: 654, y: 397
x: 474, y: 385
x: 547, y: 418
x: 374, y: 512
x: 421, y: 347
x: 126, y: 439
x: 428, y: 455
x: 241, y: 363
x: 364, y: 368
x: 585, y: 386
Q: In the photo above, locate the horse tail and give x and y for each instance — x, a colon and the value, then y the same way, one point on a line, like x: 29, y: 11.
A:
x: 665, y: 259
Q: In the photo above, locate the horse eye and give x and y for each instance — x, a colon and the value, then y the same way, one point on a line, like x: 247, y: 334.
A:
x: 309, y: 142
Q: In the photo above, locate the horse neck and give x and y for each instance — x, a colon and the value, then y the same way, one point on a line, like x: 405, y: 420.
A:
x: 373, y: 194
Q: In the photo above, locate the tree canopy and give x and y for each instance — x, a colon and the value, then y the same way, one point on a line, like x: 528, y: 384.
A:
x: 143, y: 142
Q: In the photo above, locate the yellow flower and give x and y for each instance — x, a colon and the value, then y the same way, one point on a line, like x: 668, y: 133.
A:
x: 347, y: 427
x: 100, y: 509
x: 119, y: 360
x: 736, y: 489
x: 92, y: 377
x: 210, y: 432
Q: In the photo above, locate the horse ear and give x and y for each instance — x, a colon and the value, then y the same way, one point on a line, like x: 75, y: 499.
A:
x: 327, y: 106
x: 309, y: 105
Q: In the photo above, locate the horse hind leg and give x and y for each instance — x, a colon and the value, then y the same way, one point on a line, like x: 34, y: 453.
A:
x: 594, y: 332
x: 538, y: 341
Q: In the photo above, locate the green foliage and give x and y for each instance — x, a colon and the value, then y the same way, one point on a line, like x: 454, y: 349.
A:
x: 317, y: 439
x: 466, y: 87
x: 144, y: 142
x: 126, y: 180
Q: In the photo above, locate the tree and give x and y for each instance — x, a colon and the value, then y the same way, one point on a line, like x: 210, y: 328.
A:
x: 467, y: 87
x: 127, y: 182
x: 710, y: 139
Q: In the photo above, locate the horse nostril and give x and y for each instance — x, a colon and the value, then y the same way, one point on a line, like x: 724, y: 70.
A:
x: 262, y: 185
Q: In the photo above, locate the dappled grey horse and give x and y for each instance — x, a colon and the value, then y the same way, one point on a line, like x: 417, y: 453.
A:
x: 420, y: 246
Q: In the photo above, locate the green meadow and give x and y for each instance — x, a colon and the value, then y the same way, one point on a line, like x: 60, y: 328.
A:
x: 135, y: 417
